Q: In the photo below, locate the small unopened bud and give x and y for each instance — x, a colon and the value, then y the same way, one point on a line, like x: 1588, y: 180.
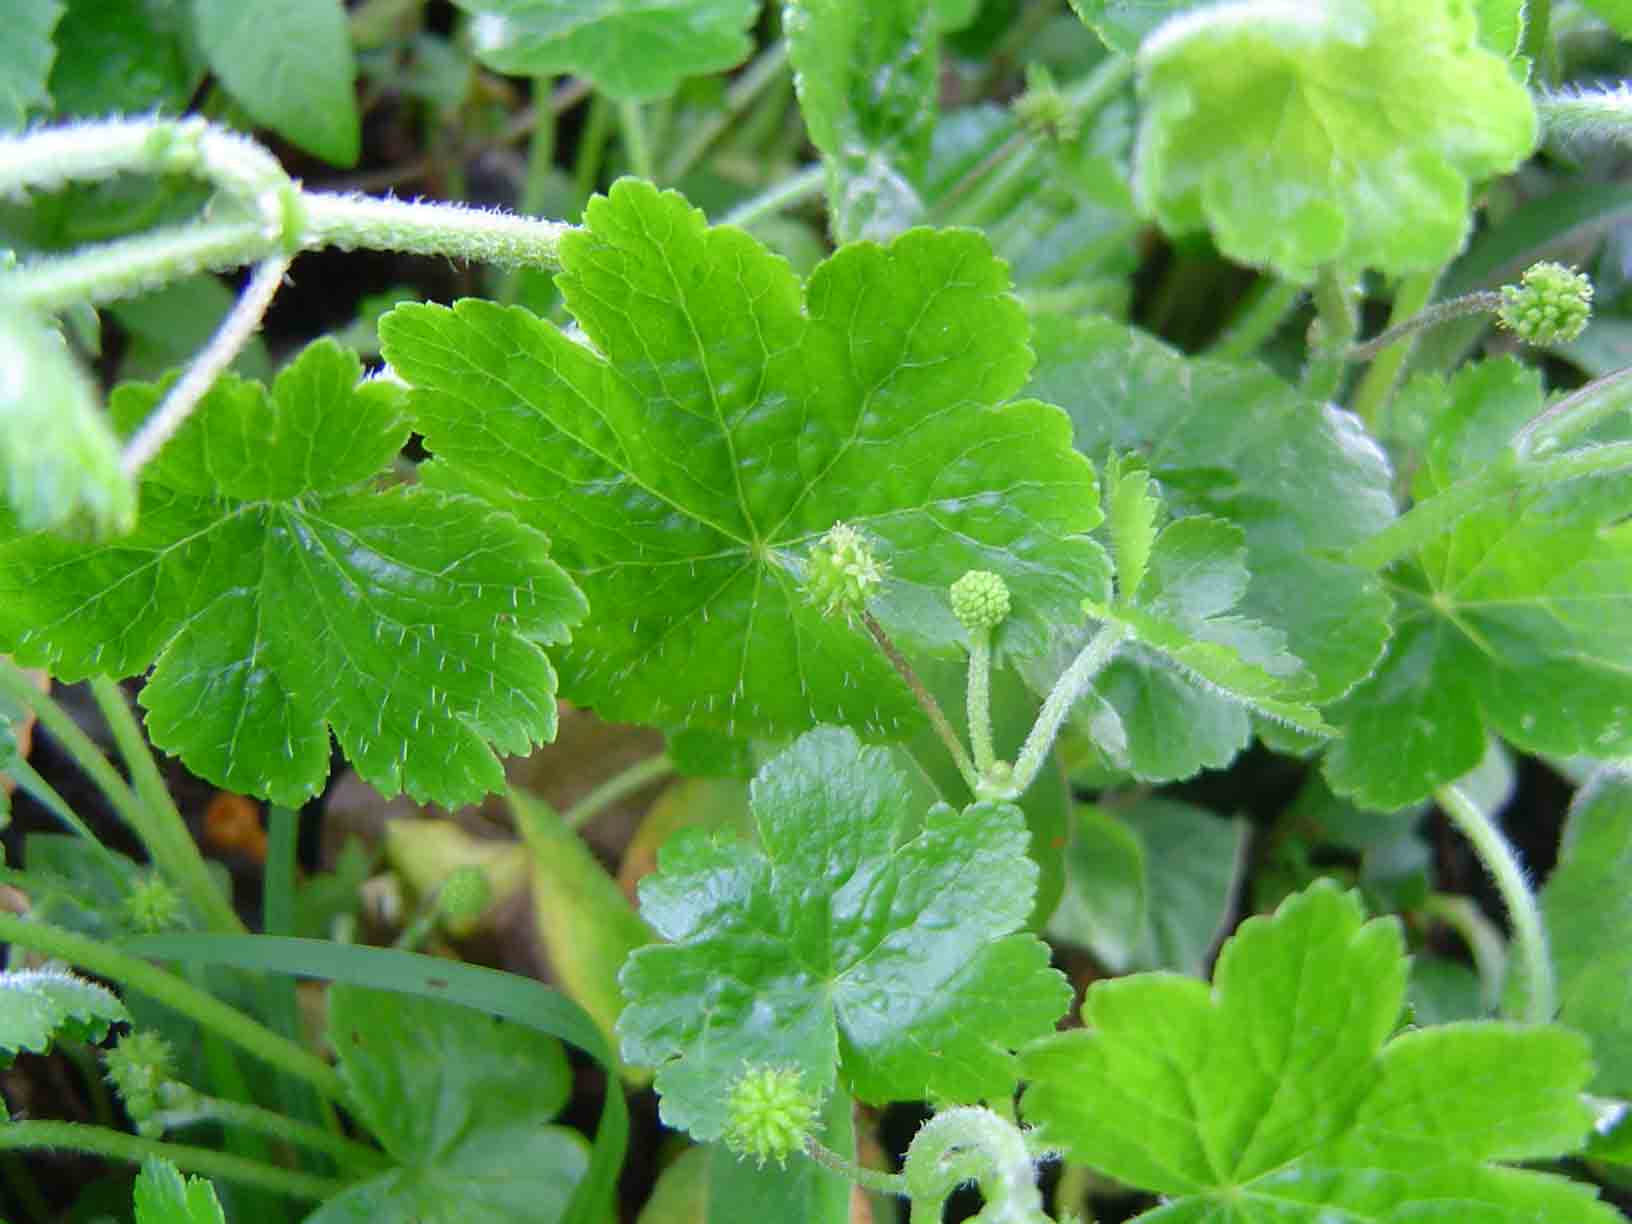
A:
x: 139, y: 1067
x: 769, y: 1115
x: 842, y: 572
x: 1550, y: 305
x: 153, y: 906
x: 980, y: 600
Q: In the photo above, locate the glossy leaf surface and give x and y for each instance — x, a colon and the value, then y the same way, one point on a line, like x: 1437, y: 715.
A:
x: 863, y: 936
x: 1355, y: 130
x: 630, y: 49
x: 1278, y: 1094
x: 686, y: 474
x: 281, y: 596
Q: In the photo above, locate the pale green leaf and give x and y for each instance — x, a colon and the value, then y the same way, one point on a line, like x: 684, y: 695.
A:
x: 868, y: 76
x: 57, y: 449
x: 163, y: 1196
x: 1355, y: 129
x: 280, y: 596
x: 630, y: 49
x: 40, y: 1006
x: 863, y: 937
x: 1278, y: 1096
x: 462, y: 1101
x: 26, y: 54
x: 732, y: 421
x: 289, y: 64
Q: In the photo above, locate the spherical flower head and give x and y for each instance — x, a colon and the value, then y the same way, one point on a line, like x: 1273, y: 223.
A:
x: 980, y: 600
x: 465, y: 894
x: 769, y: 1115
x: 1550, y: 305
x: 138, y: 1068
x: 153, y: 906
x: 842, y: 572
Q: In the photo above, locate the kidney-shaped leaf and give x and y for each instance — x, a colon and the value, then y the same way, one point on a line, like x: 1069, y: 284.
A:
x: 862, y: 935
x: 281, y: 596
x: 1343, y: 133
x: 685, y: 475
x: 1278, y: 1095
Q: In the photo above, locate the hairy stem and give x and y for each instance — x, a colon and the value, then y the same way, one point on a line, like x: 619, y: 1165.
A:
x: 1378, y: 382
x: 636, y: 141
x: 868, y: 1179
x: 163, y: 831
x: 177, y: 994
x: 1067, y: 690
x: 226, y: 344
x: 1529, y: 936
x: 926, y: 699
x: 116, y: 1145
x: 980, y: 699
x: 1486, y: 301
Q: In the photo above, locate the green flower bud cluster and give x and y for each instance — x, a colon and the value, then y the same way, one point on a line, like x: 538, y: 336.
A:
x: 1043, y: 109
x: 1551, y: 304
x: 980, y: 600
x: 842, y: 572
x: 153, y: 906
x: 769, y: 1115
x: 140, y: 1067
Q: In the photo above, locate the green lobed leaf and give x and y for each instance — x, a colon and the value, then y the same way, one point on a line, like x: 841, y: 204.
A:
x: 686, y: 475
x: 629, y: 49
x: 39, y: 1006
x: 123, y: 57
x: 289, y: 64
x: 1301, y: 480
x: 1278, y: 1095
x: 26, y: 54
x: 1179, y: 601
x: 1355, y: 129
x: 861, y: 937
x: 1588, y: 909
x: 281, y: 596
x: 868, y: 77
x: 1517, y: 620
x: 59, y: 455
x: 163, y: 1196
x: 462, y: 1101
